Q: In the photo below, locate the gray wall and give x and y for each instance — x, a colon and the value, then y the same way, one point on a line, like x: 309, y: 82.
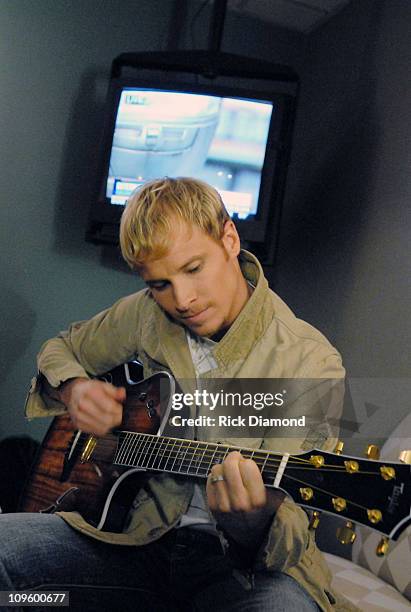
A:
x: 343, y: 253
x: 344, y: 261
x: 347, y: 217
x: 55, y: 62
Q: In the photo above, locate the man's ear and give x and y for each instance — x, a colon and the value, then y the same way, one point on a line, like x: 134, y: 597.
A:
x: 231, y: 239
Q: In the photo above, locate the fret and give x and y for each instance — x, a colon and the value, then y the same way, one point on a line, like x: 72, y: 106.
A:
x: 140, y: 456
x: 139, y: 442
x: 171, y: 456
x: 211, y: 462
x: 122, y: 452
x: 128, y: 448
x: 149, y: 450
x: 246, y: 453
x: 141, y: 450
x: 121, y: 448
x: 153, y: 454
x: 191, y: 451
x: 262, y: 461
x: 264, y: 464
x: 181, y: 458
x: 193, y: 457
x: 200, y: 466
x: 226, y: 452
x: 174, y: 455
x: 165, y: 443
x: 221, y: 453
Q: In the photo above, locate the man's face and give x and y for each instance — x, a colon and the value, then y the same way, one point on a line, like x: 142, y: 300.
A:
x: 199, y: 282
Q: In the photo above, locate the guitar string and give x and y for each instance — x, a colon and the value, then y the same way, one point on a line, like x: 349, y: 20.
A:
x: 265, y: 455
x: 311, y: 468
x: 142, y: 456
x: 194, y: 444
x: 268, y: 459
x: 218, y: 450
x: 196, y: 448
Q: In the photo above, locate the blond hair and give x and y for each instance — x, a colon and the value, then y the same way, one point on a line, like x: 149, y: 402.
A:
x: 156, y: 207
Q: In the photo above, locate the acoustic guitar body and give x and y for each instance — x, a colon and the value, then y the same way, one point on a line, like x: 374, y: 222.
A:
x: 62, y: 477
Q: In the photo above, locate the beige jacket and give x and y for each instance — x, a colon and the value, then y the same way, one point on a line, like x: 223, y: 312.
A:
x: 265, y: 341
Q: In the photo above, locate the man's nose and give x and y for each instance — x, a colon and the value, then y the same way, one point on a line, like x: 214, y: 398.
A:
x: 184, y: 296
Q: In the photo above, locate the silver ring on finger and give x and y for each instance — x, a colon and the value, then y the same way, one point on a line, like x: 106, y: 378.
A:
x: 215, y: 479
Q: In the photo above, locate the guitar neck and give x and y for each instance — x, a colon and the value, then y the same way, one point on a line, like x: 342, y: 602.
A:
x: 188, y: 457
x: 375, y: 494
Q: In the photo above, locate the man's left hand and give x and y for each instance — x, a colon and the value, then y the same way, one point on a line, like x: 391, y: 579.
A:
x: 239, y: 500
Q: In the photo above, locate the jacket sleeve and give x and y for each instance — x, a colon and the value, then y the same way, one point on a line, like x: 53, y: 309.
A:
x: 289, y: 537
x: 87, y: 348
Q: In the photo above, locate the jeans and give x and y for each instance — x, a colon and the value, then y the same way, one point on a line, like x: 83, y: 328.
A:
x: 184, y: 571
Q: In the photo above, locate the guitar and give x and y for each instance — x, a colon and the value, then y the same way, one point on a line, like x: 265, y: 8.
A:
x: 99, y: 477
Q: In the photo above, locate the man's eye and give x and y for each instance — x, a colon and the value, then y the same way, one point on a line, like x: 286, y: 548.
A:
x: 194, y: 270
x: 158, y: 286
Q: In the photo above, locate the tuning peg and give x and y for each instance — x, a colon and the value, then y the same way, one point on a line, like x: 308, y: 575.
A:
x: 346, y: 534
x: 306, y: 493
x: 405, y: 456
x: 317, y: 460
x: 372, y: 452
x: 339, y: 447
x: 315, y: 520
x: 382, y: 547
x: 339, y: 503
x: 374, y: 515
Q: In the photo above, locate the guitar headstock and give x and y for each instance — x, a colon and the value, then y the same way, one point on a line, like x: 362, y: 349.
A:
x: 376, y: 494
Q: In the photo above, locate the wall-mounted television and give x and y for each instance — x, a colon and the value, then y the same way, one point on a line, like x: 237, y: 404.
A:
x: 168, y: 116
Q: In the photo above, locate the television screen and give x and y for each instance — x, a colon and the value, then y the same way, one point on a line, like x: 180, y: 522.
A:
x: 221, y: 140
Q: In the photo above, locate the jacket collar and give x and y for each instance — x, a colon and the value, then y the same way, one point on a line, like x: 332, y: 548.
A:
x: 253, y: 320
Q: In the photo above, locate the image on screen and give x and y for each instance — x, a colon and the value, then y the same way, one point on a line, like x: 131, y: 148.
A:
x: 221, y: 140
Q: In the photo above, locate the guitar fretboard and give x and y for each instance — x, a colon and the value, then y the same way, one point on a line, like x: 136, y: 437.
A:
x: 188, y: 457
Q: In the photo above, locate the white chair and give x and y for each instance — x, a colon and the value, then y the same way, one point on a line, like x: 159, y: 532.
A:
x: 376, y: 583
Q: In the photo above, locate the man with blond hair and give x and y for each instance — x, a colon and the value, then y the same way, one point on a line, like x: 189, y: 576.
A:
x: 206, y: 313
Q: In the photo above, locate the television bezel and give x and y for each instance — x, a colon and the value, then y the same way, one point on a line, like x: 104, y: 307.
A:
x: 237, y: 77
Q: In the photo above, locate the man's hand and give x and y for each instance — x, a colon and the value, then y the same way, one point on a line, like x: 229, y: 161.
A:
x: 94, y: 406
x: 239, y: 501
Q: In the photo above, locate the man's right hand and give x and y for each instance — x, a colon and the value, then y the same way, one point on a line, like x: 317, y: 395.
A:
x: 94, y: 406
